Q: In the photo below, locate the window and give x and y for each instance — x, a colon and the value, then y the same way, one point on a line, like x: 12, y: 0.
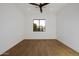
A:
x: 39, y: 25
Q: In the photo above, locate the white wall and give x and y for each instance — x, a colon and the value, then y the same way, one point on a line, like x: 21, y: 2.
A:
x: 11, y: 26
x: 16, y: 25
x: 68, y: 26
x: 50, y: 25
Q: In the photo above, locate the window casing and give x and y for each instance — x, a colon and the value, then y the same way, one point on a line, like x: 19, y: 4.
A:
x: 39, y: 25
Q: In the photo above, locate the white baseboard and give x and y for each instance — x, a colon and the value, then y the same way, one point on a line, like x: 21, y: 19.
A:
x: 40, y: 38
x: 62, y: 41
x: 3, y: 51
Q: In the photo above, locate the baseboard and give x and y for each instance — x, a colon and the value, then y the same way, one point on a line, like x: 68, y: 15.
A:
x: 1, y: 53
x: 58, y: 39
x: 40, y: 39
x: 21, y: 41
x: 10, y: 47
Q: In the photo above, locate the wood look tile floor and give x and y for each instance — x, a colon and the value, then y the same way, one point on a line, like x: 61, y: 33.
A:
x: 40, y: 48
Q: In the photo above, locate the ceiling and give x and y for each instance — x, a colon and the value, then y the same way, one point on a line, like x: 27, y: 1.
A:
x: 50, y: 8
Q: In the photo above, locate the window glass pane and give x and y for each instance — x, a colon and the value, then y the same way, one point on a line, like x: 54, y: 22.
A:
x: 36, y: 25
x: 36, y: 22
x: 39, y: 25
x: 42, y: 25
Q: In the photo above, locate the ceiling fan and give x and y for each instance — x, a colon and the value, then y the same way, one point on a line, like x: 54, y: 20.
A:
x: 40, y: 5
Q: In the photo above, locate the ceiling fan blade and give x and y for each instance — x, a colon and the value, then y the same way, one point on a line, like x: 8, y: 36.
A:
x: 44, y: 4
x: 34, y: 4
x: 41, y: 9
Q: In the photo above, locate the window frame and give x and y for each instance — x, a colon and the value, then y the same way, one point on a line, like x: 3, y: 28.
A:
x: 39, y: 24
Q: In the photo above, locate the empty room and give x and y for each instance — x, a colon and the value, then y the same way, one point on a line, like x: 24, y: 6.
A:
x: 39, y: 29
